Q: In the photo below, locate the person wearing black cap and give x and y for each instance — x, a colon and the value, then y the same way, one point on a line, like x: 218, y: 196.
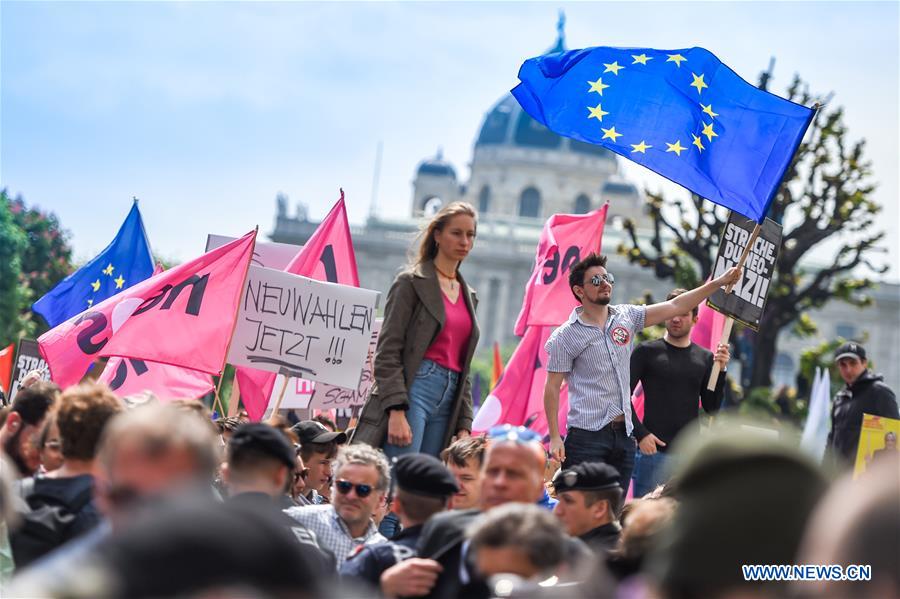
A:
x: 423, y: 487
x: 589, y: 501
x: 260, y: 459
x: 864, y: 392
x: 318, y: 447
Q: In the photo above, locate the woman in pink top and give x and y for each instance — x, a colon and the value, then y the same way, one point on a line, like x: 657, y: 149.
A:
x: 422, y: 398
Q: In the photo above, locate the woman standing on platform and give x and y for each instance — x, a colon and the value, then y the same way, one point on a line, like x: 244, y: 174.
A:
x: 422, y: 398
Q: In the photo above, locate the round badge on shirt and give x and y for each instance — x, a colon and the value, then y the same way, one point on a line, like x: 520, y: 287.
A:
x: 620, y: 335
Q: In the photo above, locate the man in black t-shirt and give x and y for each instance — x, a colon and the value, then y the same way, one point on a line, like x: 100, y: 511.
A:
x: 673, y: 372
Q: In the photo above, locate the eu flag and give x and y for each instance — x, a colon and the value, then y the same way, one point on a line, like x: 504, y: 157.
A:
x: 680, y: 113
x: 124, y: 262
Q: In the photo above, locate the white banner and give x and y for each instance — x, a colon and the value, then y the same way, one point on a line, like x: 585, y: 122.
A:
x: 330, y: 397
x: 302, y: 327
x: 270, y: 254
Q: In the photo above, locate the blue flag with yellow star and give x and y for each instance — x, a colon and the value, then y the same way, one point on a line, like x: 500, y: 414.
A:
x: 125, y: 262
x: 681, y: 113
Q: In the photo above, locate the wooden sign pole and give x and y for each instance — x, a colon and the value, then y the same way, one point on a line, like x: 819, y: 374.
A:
x: 729, y: 321
x: 281, y: 395
x: 235, y: 400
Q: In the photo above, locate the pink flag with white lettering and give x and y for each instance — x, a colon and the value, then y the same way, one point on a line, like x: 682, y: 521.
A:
x: 182, y: 317
x: 565, y: 240
x: 327, y: 256
x: 128, y: 376
x: 519, y: 396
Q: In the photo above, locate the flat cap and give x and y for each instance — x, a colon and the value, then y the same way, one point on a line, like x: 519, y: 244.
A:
x: 586, y: 476
x: 256, y: 436
x: 422, y: 474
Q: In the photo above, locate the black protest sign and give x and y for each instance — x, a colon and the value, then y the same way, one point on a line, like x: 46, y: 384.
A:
x: 747, y: 299
x: 28, y: 358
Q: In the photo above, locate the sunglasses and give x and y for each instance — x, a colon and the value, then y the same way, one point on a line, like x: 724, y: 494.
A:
x: 608, y: 278
x: 302, y: 474
x: 508, y: 432
x: 345, y: 486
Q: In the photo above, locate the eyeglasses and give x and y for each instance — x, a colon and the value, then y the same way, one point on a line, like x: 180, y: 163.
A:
x: 345, y: 486
x: 568, y: 478
x: 508, y: 432
x: 301, y: 474
x: 608, y: 278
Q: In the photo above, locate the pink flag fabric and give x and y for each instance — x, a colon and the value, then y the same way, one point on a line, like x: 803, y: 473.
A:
x: 127, y: 376
x: 566, y: 239
x: 708, y: 330
x: 518, y: 398
x: 327, y: 256
x: 182, y: 317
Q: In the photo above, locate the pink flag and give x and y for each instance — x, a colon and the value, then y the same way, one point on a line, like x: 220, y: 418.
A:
x: 708, y: 330
x: 183, y: 317
x: 566, y: 239
x: 128, y: 376
x: 327, y: 256
x: 519, y: 396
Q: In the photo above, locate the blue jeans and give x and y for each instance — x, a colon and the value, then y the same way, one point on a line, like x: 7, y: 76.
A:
x: 649, y: 472
x: 610, y: 445
x: 430, y: 406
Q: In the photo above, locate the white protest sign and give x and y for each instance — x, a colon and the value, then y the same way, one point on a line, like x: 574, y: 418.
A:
x: 269, y: 254
x: 296, y: 395
x: 301, y: 327
x: 329, y: 397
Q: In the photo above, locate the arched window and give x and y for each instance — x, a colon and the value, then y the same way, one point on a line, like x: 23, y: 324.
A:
x: 484, y: 199
x: 582, y: 204
x: 530, y: 203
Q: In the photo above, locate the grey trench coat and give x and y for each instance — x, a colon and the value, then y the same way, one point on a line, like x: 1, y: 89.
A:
x: 413, y: 317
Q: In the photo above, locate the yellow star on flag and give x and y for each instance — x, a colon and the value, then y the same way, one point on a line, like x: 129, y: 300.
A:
x: 675, y: 147
x: 597, y: 86
x: 108, y: 270
x: 708, y: 131
x: 597, y: 113
x: 613, y: 68
x: 90, y: 303
x: 96, y: 285
x: 699, y: 83
x: 697, y: 142
x: 676, y: 58
x: 707, y: 108
x: 641, y: 58
x: 641, y: 147
x: 610, y: 134
x: 119, y: 282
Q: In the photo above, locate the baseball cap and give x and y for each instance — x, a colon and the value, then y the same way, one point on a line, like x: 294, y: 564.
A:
x: 310, y: 431
x: 851, y: 349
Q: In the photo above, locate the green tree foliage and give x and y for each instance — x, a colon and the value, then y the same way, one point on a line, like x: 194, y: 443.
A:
x: 12, y: 292
x: 44, y: 261
x: 825, y: 197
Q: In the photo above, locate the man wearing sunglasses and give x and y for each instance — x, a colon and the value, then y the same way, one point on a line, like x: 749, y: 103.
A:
x: 592, y: 352
x: 361, y: 480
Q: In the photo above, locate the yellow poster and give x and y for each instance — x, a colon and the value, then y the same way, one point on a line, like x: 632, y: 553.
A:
x: 877, y: 441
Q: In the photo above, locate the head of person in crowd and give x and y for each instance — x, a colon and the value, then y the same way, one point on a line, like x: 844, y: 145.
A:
x: 20, y: 435
x: 851, y: 361
x: 451, y: 231
x: 51, y: 446
x: 326, y: 422
x: 590, y: 282
x: 82, y: 414
x: 513, y: 469
x: 519, y: 539
x: 362, y: 476
x: 423, y: 486
x: 282, y: 424
x: 856, y: 524
x: 679, y: 327
x: 150, y: 452
x: 318, y: 448
x: 589, y: 497
x: 642, y: 524
x: 259, y: 460
x: 464, y: 458
x: 226, y: 427
x: 194, y: 406
x: 744, y: 497
x: 301, y: 472
x: 8, y: 513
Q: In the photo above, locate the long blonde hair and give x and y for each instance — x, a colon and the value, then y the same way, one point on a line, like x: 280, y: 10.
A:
x: 427, y: 246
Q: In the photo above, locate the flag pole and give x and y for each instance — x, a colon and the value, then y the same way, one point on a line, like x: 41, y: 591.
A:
x: 235, y: 400
x: 729, y: 321
x: 281, y: 395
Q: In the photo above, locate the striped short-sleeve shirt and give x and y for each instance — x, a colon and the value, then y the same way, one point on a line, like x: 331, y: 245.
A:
x: 597, y: 363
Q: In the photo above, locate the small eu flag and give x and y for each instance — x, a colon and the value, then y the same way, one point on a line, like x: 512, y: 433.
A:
x: 125, y: 262
x: 680, y: 113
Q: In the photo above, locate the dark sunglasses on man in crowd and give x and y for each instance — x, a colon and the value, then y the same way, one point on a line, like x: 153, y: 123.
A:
x: 344, y: 487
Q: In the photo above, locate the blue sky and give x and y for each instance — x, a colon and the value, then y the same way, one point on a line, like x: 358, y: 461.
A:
x: 206, y: 110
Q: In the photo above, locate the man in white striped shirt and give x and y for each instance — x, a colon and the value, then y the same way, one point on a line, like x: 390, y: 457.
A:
x: 592, y: 352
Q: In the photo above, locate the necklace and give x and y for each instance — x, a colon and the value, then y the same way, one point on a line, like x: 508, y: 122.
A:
x: 446, y: 276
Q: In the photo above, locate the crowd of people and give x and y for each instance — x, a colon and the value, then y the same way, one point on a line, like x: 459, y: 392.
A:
x: 134, y: 497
